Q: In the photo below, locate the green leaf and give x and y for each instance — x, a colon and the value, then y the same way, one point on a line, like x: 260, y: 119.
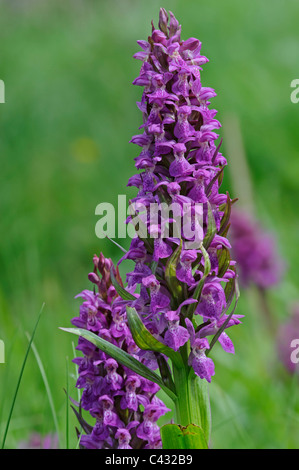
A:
x: 119, y: 289
x: 175, y: 436
x: 145, y: 340
x: 122, y: 357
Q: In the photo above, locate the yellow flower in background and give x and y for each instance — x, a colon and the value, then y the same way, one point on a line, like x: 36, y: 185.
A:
x: 84, y: 150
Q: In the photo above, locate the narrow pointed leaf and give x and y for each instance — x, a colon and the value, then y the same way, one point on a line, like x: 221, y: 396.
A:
x: 121, y: 356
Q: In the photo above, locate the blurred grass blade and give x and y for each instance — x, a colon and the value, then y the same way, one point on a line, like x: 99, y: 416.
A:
x: 20, y: 378
x: 46, y: 383
x: 175, y: 436
x: 117, y: 244
x: 67, y: 406
x: 76, y: 372
x: 121, y: 356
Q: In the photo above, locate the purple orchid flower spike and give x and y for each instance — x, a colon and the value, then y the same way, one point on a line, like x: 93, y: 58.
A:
x: 114, y: 397
x: 255, y: 251
x: 182, y: 277
x: 179, y: 135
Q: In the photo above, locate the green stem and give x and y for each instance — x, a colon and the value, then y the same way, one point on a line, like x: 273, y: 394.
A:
x: 192, y: 405
x: 183, y: 408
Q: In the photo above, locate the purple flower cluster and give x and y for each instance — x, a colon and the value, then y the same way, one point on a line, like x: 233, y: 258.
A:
x: 255, y: 252
x: 124, y: 405
x: 180, y: 163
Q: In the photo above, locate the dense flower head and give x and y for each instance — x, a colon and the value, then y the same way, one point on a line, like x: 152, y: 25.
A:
x: 255, y: 251
x: 180, y: 164
x: 120, y: 401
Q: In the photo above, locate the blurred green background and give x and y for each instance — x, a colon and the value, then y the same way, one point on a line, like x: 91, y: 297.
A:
x: 64, y: 130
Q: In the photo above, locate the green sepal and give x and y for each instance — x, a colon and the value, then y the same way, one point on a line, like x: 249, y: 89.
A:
x: 153, y: 266
x: 229, y: 291
x: 170, y: 273
x: 199, y: 287
x: 145, y: 340
x: 122, y: 357
x: 212, y: 229
x: 175, y: 436
x: 223, y: 261
x: 218, y: 177
x: 226, y: 215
